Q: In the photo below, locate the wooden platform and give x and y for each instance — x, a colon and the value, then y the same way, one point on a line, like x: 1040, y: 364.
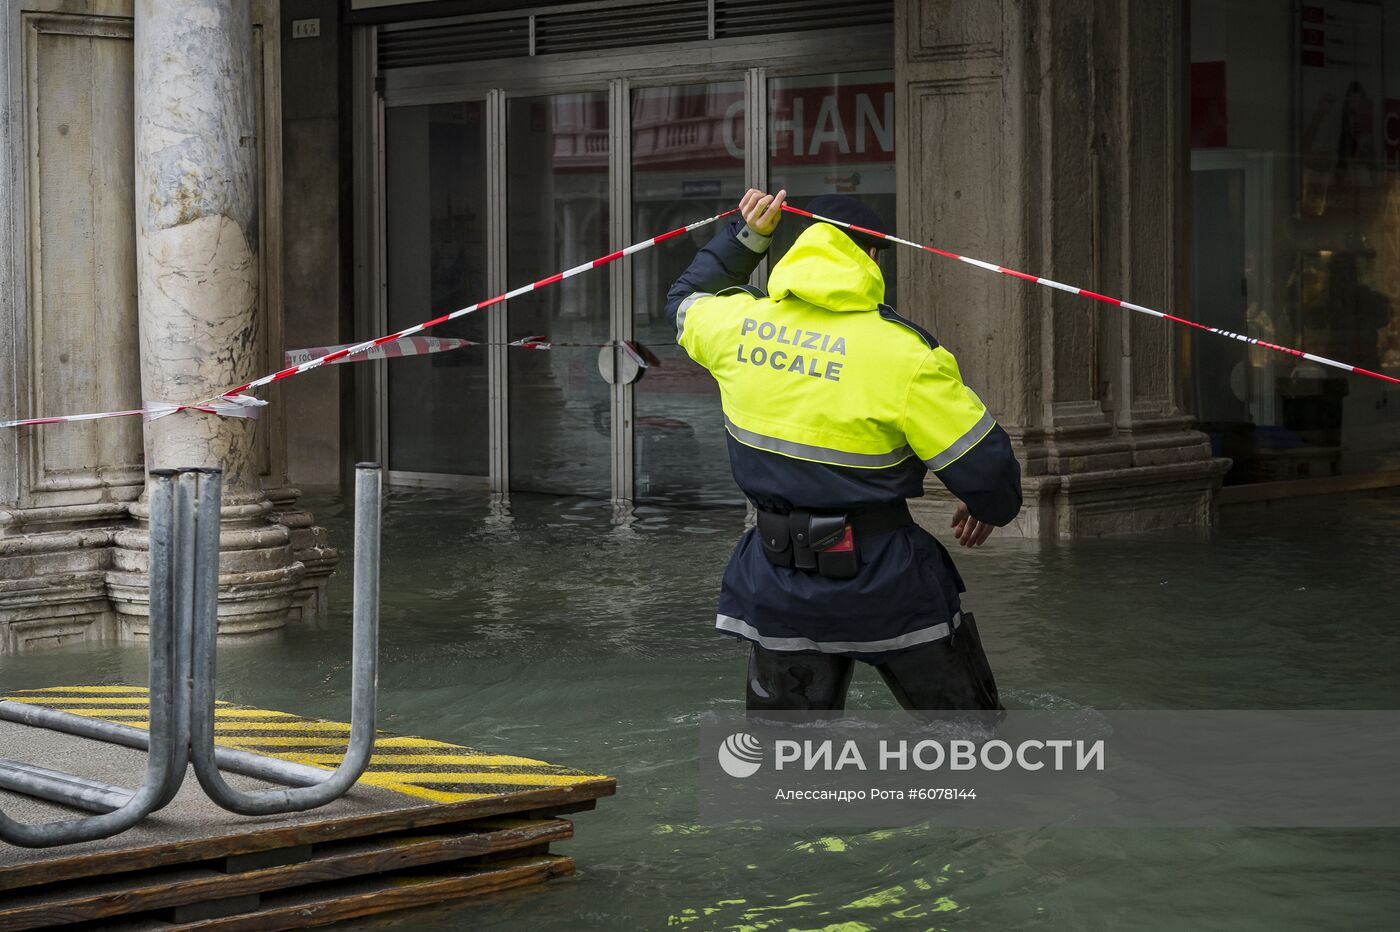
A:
x: 429, y: 822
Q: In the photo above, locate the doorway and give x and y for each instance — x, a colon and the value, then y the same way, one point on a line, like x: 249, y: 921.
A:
x: 508, y: 175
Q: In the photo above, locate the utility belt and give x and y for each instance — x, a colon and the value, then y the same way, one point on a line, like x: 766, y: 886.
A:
x: 823, y: 542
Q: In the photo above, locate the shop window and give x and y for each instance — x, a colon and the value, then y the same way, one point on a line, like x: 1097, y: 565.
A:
x: 833, y: 134
x: 1295, y: 130
x: 687, y: 163
x: 557, y: 205
x: 435, y: 204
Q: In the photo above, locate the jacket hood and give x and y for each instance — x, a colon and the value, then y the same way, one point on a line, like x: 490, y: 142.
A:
x: 826, y: 268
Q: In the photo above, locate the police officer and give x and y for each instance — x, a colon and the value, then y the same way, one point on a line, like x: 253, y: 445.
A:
x: 836, y: 408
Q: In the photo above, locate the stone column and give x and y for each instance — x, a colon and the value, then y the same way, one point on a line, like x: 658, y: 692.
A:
x: 198, y: 291
x: 1045, y: 135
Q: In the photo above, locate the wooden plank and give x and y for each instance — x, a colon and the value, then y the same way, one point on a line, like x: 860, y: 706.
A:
x: 357, y: 898
x: 413, y: 816
x: 335, y: 861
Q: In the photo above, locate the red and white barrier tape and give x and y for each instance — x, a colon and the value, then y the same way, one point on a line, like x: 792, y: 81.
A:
x: 631, y: 349
x: 409, y: 346
x: 337, y: 355
x: 1116, y: 302
x: 226, y: 405
x: 237, y: 403
x: 231, y: 401
x: 424, y: 346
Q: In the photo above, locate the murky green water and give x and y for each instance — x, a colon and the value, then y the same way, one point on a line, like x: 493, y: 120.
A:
x: 552, y: 632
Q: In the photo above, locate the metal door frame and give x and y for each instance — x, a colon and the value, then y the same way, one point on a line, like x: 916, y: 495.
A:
x: 1257, y: 169
x: 497, y: 83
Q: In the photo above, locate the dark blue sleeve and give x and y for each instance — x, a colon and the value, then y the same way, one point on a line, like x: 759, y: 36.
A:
x: 722, y: 263
x: 987, y: 478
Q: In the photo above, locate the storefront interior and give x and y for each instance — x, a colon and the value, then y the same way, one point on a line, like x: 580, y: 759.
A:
x: 1295, y: 158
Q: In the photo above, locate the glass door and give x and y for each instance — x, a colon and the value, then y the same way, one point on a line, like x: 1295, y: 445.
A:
x: 435, y: 261
x: 1220, y: 297
x: 688, y: 143
x: 557, y: 216
x: 485, y: 195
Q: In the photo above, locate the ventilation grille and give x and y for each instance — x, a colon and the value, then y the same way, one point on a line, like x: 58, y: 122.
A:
x: 453, y: 43
x: 657, y: 23
x: 736, y: 18
x: 647, y: 24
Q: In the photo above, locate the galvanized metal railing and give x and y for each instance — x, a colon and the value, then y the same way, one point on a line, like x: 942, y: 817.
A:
x: 363, y: 679
x: 184, y: 579
x: 149, y: 795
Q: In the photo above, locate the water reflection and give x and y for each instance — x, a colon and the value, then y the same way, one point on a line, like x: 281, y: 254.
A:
x: 545, y: 626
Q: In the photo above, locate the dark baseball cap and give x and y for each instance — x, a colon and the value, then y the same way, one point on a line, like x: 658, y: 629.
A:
x: 848, y: 209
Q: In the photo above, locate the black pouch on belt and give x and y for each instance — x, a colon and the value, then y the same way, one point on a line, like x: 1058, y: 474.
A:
x: 833, y: 539
x: 826, y: 543
x: 777, y: 539
x: 822, y: 543
x: 814, y: 535
x: 800, y: 528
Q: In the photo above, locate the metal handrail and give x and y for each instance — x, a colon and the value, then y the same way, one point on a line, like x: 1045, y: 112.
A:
x: 234, y: 760
x: 152, y: 791
x: 59, y: 787
x: 184, y: 580
x: 364, y: 650
x: 183, y: 558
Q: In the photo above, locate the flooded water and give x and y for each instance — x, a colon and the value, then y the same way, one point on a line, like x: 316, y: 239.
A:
x: 547, y: 629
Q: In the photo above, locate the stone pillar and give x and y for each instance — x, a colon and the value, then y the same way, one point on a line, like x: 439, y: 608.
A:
x: 198, y: 292
x: 1048, y: 136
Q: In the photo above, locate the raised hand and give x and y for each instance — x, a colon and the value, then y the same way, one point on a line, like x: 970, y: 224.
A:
x: 762, y: 211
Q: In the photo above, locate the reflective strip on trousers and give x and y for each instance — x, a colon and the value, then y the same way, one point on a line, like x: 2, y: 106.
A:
x: 742, y: 628
x: 806, y: 451
x: 966, y: 442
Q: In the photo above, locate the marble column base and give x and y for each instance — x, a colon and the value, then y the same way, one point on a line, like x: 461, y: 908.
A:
x: 55, y: 593
x: 259, y: 576
x: 78, y: 573
x: 1147, y: 480
x: 53, y: 573
x: 310, y: 547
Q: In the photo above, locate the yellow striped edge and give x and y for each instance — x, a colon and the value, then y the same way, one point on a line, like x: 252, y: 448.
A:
x: 477, y: 776
x: 418, y: 760
x: 79, y: 700
x: 226, y: 718
x: 430, y: 794
x: 87, y: 690
x: 59, y: 702
x: 271, y: 741
x: 322, y: 744
x: 289, y: 727
x: 140, y: 716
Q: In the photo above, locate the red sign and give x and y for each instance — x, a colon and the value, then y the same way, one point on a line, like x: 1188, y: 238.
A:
x: 819, y: 125
x: 1209, y: 105
x: 1314, y: 18
x: 848, y: 123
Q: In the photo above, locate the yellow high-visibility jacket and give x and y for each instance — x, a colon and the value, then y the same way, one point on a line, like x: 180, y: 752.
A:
x: 832, y: 401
